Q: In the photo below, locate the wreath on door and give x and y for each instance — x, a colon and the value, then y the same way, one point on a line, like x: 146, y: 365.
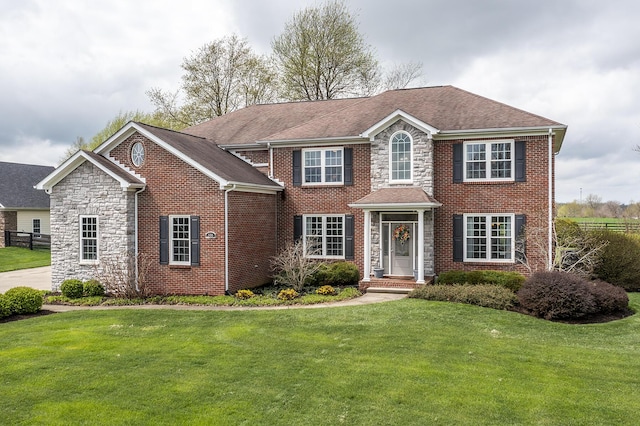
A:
x: 401, y: 233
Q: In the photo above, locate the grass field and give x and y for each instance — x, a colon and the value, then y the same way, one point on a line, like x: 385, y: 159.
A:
x: 602, y: 220
x: 396, y: 363
x: 14, y: 258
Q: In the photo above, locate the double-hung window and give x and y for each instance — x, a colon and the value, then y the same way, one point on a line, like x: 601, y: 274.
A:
x: 489, y: 237
x: 323, y: 166
x: 36, y: 226
x: 180, y: 240
x: 88, y: 239
x: 401, y: 157
x: 489, y: 161
x: 324, y: 236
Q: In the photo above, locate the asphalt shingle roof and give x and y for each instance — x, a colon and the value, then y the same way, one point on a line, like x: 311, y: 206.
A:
x: 16, y: 186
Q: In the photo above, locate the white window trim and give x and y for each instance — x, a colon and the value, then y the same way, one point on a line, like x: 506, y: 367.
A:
x: 488, y: 217
x: 324, y: 240
x: 487, y: 144
x: 391, y: 179
x: 141, y: 153
x: 97, y: 259
x: 322, y: 166
x: 171, y: 240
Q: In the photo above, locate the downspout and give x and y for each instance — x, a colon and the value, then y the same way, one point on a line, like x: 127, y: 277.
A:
x: 226, y: 237
x: 550, y: 202
x: 270, y: 160
x: 135, y: 243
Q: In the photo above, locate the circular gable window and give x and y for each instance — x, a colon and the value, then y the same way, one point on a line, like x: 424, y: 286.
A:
x: 137, y: 154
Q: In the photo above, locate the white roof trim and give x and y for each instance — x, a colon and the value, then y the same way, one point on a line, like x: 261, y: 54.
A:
x: 373, y: 131
x: 395, y: 206
x: 133, y: 127
x: 73, y: 163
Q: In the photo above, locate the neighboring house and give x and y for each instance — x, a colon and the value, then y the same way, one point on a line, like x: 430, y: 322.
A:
x: 410, y: 182
x: 22, y: 207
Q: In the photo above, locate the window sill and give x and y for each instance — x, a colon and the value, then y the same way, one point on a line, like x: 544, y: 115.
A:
x: 321, y: 185
x: 488, y: 182
x: 89, y: 262
x: 489, y: 262
x: 179, y: 266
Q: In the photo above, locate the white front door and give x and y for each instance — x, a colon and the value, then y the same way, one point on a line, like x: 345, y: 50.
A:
x: 401, y: 248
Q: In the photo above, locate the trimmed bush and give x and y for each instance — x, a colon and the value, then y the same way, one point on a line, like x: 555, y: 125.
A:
x: 485, y: 295
x: 72, y: 288
x: 288, y: 294
x: 343, y: 274
x: 5, y: 306
x: 92, y: 288
x: 619, y: 262
x: 244, y: 294
x: 326, y: 290
x: 560, y: 295
x: 508, y: 279
x: 24, y: 300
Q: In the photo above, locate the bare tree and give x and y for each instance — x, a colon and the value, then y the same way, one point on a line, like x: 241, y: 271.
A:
x: 322, y: 55
x: 220, y: 77
x: 293, y: 266
x: 402, y: 75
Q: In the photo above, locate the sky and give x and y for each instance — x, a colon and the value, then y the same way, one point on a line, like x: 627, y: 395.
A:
x: 68, y: 67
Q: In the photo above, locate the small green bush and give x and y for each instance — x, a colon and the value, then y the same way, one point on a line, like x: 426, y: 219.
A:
x: 72, y: 288
x: 485, y: 295
x: 618, y: 263
x: 508, y: 279
x: 326, y: 290
x: 343, y: 274
x: 561, y: 295
x: 288, y: 294
x: 319, y: 277
x: 5, y: 306
x: 24, y: 300
x: 92, y: 288
x: 244, y: 294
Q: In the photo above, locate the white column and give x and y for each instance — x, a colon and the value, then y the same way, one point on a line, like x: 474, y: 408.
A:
x: 367, y: 246
x: 420, y: 247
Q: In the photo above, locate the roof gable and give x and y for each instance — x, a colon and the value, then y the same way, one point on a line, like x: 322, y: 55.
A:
x: 17, y: 183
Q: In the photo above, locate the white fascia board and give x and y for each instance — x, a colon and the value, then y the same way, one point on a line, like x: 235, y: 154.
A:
x: 558, y: 130
x: 132, y: 127
x: 395, y: 206
x: 372, y: 131
x: 343, y: 140
x: 260, y: 189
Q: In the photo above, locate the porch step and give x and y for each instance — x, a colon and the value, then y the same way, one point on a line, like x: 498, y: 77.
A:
x: 394, y: 290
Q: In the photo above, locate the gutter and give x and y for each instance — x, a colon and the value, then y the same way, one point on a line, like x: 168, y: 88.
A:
x: 550, y: 201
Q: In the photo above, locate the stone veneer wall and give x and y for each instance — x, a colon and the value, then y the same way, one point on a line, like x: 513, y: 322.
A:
x: 89, y: 191
x: 8, y: 222
x: 422, y: 177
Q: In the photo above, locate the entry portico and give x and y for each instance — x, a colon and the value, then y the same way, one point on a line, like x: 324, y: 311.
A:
x: 398, y: 232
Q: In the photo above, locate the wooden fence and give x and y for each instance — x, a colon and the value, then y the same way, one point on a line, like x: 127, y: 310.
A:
x: 627, y: 227
x: 26, y: 239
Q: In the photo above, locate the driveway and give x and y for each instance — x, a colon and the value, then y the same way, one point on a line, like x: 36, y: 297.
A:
x: 39, y: 278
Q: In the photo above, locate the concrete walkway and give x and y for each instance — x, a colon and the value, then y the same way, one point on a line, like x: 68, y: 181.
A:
x: 39, y: 278
x: 365, y: 299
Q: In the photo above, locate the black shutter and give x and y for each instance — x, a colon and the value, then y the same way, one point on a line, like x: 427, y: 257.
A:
x: 521, y: 241
x: 521, y: 161
x: 348, y: 166
x: 164, y: 240
x: 297, y: 228
x: 348, y: 237
x: 458, y: 163
x: 194, y: 225
x: 297, y: 168
x: 458, y: 238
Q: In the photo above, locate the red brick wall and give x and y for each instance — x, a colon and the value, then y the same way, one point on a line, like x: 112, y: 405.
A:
x: 252, y: 239
x: 174, y: 187
x: 298, y: 200
x: 529, y: 198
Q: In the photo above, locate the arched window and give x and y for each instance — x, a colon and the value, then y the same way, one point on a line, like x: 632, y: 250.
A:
x: 401, y: 161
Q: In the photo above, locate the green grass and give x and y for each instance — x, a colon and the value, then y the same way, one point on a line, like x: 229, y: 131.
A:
x: 602, y: 220
x: 397, y: 363
x: 14, y: 258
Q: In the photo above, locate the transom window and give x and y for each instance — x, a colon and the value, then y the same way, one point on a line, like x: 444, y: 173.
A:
x: 180, y: 240
x: 324, y: 236
x: 401, y: 152
x: 89, y: 239
x: 322, y: 166
x: 491, y: 160
x: 489, y: 238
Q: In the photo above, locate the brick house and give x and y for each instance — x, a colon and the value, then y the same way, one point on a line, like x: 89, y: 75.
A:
x: 407, y: 184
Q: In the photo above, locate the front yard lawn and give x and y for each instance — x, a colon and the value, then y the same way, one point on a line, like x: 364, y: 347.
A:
x: 396, y: 363
x: 14, y: 258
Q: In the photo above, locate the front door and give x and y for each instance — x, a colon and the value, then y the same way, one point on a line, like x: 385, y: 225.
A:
x: 399, y: 248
